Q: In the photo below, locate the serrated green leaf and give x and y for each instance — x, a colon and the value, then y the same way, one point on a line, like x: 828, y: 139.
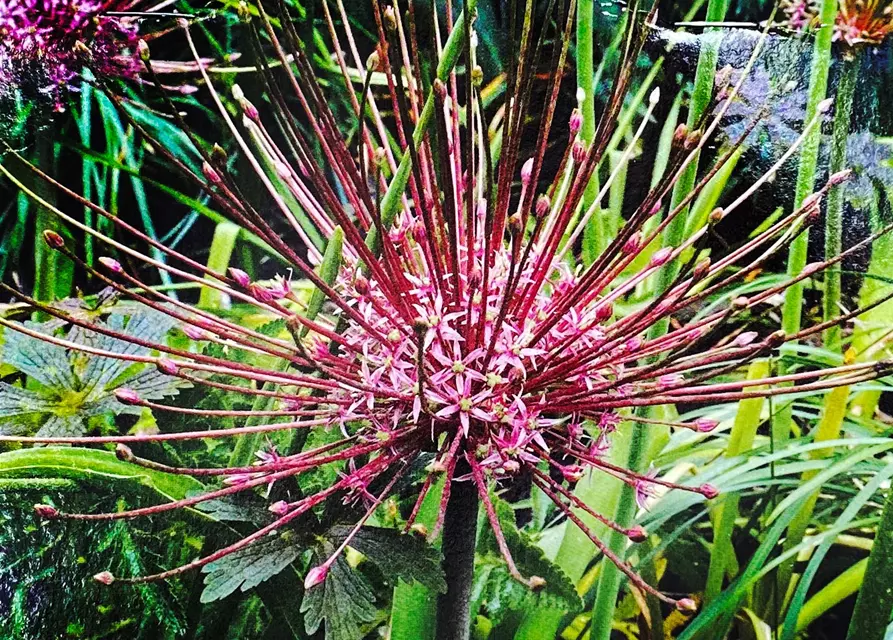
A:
x: 407, y: 557
x: 248, y: 567
x: 343, y: 600
x: 273, y: 329
x: 499, y: 591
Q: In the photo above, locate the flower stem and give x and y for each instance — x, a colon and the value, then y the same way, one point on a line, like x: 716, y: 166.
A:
x: 806, y: 174
x: 459, y: 541
x: 585, y: 75
x: 640, y: 444
x: 843, y: 111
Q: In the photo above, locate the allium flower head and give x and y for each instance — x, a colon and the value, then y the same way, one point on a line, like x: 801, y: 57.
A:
x: 858, y: 23
x: 59, y: 35
x: 452, y: 322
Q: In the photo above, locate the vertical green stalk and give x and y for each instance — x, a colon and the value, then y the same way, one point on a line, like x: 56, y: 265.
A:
x: 610, y: 579
x: 53, y: 272
x: 843, y: 111
x: 875, y: 601
x: 222, y: 245
x: 744, y: 430
x: 585, y: 76
x: 806, y: 173
x: 870, y: 335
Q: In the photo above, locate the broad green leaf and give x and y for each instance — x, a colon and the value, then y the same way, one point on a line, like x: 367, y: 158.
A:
x: 248, y: 567
x: 343, y: 600
x: 407, y: 557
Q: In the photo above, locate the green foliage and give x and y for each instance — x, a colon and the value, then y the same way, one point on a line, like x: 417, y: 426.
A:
x: 498, y: 592
x: 345, y: 601
x: 69, y: 390
x: 248, y: 567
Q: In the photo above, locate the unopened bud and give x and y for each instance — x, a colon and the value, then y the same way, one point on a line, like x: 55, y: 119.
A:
x: 576, y: 122
x: 527, y: 172
x: 105, y: 577
x: 211, y: 173
x: 439, y: 88
x: 692, y: 140
x: 536, y: 583
x: 654, y: 97
x: 708, y: 491
x: 745, y: 339
x: 218, y: 154
x: 279, y: 508
x: 127, y: 396
x: 361, y: 284
x: 660, y: 257
x: 578, y: 152
x: 543, y: 206
x: 390, y: 19
x: 373, y: 61
x: 687, y: 604
x: 839, y: 178
x: 242, y: 279
x: 515, y: 224
x: 825, y: 105
x: 717, y: 215
x: 123, y: 452
x: 637, y: 534
x: 53, y: 239
x: 604, y: 312
x: 680, y: 135
x: 419, y: 529
x: 477, y: 76
x: 705, y: 425
x: 776, y: 339
x: 317, y: 575
x: 46, y: 511
x: 633, y: 244
x: 142, y: 48
x: 701, y: 269
x: 167, y: 366
x: 111, y: 264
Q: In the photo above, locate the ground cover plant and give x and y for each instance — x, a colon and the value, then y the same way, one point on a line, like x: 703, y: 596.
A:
x: 487, y: 330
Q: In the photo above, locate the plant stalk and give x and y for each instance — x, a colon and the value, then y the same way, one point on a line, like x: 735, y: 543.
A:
x: 843, y: 112
x: 806, y: 173
x: 610, y: 579
x: 459, y: 541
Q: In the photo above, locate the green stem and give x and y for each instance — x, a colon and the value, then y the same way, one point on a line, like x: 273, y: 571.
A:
x: 585, y: 75
x: 875, y: 601
x: 806, y: 174
x: 610, y: 579
x: 459, y: 540
x: 843, y: 111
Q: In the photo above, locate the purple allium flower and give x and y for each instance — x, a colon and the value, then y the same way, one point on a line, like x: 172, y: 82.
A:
x: 455, y: 324
x: 63, y: 36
